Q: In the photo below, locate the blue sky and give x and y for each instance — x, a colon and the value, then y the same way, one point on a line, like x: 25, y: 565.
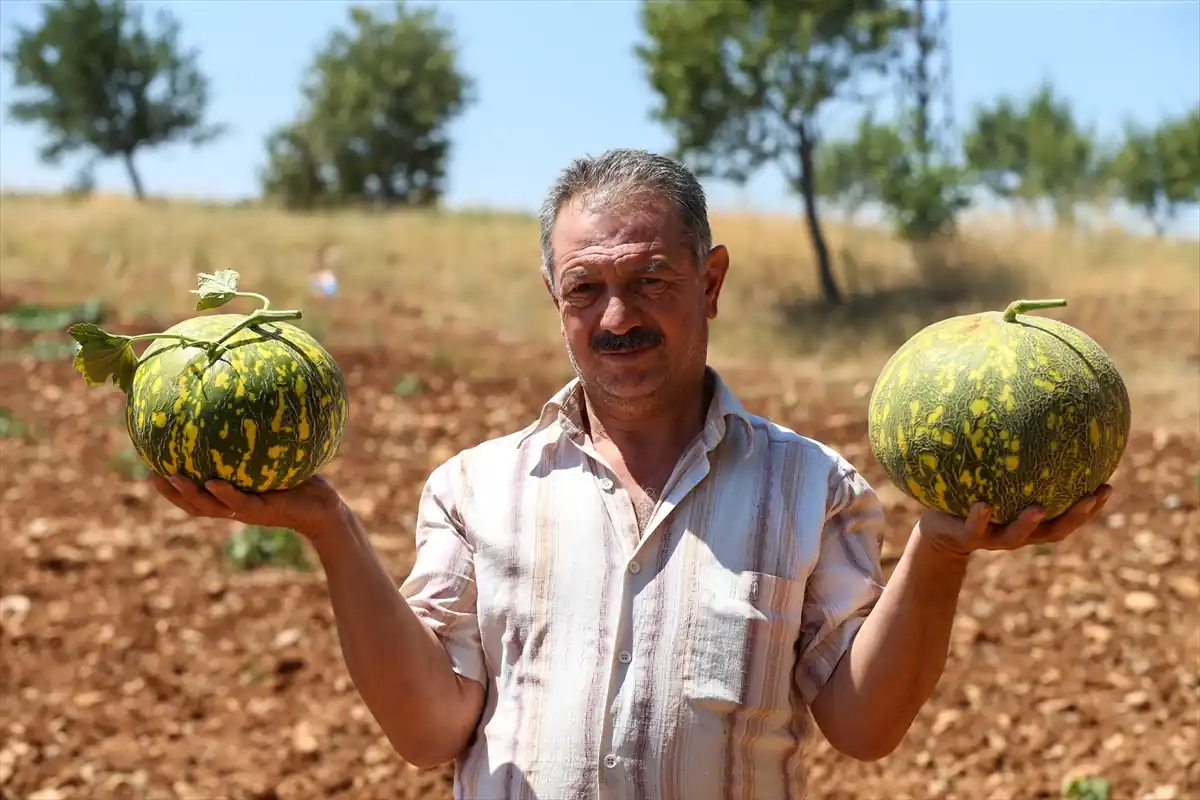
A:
x: 557, y: 78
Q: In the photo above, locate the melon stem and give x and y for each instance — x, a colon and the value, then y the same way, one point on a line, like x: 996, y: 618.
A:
x: 214, y: 346
x: 262, y: 298
x: 1025, y: 306
x: 188, y: 340
x: 262, y: 315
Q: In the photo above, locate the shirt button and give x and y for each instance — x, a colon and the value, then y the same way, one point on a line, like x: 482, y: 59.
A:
x: 610, y: 761
x: 606, y: 484
x: 635, y: 567
x: 625, y: 656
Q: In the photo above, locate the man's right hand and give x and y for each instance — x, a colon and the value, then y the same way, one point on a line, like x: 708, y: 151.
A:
x: 397, y: 663
x: 310, y: 509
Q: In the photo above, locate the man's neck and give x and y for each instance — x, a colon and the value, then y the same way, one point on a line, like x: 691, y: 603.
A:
x: 654, y: 434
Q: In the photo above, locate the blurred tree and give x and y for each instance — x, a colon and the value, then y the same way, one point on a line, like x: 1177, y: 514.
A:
x: 1158, y: 170
x: 378, y: 98
x: 882, y: 163
x: 851, y: 171
x: 1186, y: 132
x: 907, y: 167
x: 924, y: 196
x: 741, y: 83
x: 293, y: 174
x: 1035, y: 151
x: 100, y: 80
x: 922, y: 185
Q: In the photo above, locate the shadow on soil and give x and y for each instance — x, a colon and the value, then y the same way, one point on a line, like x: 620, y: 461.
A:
x: 933, y: 287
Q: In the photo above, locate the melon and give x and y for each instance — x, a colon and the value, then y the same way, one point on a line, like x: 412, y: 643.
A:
x: 251, y: 399
x: 1006, y: 408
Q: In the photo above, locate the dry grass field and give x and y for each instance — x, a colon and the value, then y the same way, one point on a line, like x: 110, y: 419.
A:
x: 135, y: 662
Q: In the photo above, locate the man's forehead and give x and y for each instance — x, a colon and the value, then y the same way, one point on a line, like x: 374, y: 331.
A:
x: 579, y: 228
x: 617, y: 225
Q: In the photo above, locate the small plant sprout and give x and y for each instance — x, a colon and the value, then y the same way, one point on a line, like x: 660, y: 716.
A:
x: 1086, y: 788
x: 102, y: 356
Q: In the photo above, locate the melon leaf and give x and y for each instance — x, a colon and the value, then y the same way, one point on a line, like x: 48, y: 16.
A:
x: 102, y: 355
x: 216, y: 289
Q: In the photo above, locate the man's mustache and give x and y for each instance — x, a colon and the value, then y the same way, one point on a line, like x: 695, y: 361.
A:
x: 632, y: 339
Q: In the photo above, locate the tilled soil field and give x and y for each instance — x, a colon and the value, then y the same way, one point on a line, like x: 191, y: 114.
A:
x: 136, y: 664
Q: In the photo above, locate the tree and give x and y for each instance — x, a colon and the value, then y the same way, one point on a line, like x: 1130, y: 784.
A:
x: 1157, y: 170
x: 100, y: 80
x: 741, y: 83
x: 923, y: 196
x: 908, y: 167
x: 293, y: 172
x: 851, y: 171
x: 881, y: 163
x: 1185, y: 132
x: 923, y: 185
x: 1034, y: 151
x: 378, y: 98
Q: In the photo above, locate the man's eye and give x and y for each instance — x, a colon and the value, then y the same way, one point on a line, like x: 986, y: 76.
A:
x: 581, y: 288
x: 651, y: 281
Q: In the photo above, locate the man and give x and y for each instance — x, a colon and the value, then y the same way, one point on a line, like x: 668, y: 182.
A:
x: 647, y: 591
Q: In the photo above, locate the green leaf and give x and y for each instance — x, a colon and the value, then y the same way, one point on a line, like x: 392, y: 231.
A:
x: 102, y: 355
x: 1086, y: 789
x: 216, y: 290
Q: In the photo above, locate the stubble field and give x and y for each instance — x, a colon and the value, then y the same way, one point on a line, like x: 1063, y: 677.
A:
x: 134, y: 662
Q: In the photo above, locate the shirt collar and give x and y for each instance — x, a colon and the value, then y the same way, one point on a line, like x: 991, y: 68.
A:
x: 564, y: 410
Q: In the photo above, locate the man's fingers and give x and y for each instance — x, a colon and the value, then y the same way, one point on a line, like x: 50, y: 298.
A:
x: 978, y: 532
x: 204, y: 502
x: 237, y: 501
x: 1053, y: 533
x: 165, y: 488
x: 977, y: 520
x: 1075, y: 517
x: 1017, y: 532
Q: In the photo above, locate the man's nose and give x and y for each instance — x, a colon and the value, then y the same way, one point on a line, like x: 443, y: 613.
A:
x: 618, y: 317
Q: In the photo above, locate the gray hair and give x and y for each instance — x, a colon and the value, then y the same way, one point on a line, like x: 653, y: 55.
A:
x: 619, y: 176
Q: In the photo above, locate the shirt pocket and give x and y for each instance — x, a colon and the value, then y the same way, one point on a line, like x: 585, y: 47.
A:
x: 742, y: 651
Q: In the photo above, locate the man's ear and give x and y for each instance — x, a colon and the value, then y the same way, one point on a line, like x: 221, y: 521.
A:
x: 713, y: 274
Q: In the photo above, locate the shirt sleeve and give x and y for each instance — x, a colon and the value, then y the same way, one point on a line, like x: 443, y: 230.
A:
x: 441, y: 589
x: 846, y: 582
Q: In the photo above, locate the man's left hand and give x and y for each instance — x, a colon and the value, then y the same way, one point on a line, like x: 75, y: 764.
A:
x: 958, y: 537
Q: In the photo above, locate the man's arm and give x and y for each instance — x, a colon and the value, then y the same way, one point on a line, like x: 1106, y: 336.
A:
x: 896, y: 659
x: 893, y: 664
x: 410, y: 678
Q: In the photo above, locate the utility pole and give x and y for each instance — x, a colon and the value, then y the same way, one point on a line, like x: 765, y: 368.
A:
x: 930, y: 202
x: 926, y: 100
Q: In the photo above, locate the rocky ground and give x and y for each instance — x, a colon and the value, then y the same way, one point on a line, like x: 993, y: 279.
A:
x: 135, y: 663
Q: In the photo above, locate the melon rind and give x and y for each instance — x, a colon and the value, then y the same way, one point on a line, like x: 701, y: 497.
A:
x: 267, y: 414
x: 1012, y: 413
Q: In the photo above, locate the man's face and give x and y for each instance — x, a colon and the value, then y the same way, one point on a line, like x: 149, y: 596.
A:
x: 634, y: 306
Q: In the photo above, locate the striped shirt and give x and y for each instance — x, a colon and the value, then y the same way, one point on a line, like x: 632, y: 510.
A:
x: 675, y: 663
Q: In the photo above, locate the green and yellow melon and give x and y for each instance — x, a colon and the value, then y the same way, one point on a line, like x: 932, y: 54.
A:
x: 246, y: 398
x: 1000, y: 407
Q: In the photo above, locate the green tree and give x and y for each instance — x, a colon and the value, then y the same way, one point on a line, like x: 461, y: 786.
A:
x: 1157, y: 170
x: 100, y: 80
x: 293, y: 173
x: 1185, y: 132
x: 1034, y: 151
x: 882, y: 163
x: 378, y: 98
x: 851, y: 171
x: 925, y: 198
x: 741, y: 83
